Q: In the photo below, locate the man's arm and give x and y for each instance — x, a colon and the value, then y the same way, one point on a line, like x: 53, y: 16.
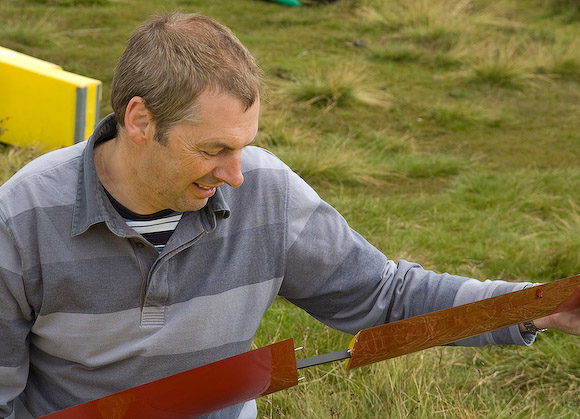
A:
x: 342, y: 280
x: 16, y: 319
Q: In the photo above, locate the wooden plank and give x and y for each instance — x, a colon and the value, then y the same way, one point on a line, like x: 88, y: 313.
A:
x: 456, y: 323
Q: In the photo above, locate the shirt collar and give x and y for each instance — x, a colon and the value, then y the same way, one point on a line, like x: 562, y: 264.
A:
x: 92, y: 205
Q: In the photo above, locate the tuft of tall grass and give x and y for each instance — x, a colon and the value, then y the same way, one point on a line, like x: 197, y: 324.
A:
x: 13, y: 158
x: 332, y: 164
x: 565, y: 60
x: 345, y: 86
x: 416, y: 12
x: 28, y: 31
x: 431, y: 24
x: 279, y: 131
x: 508, y: 65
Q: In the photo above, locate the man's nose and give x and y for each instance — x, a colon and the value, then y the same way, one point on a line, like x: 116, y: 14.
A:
x: 230, y: 171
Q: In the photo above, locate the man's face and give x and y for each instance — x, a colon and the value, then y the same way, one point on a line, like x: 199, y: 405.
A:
x: 198, y: 158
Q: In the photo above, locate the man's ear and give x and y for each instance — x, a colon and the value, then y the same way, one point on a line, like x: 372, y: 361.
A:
x: 138, y: 123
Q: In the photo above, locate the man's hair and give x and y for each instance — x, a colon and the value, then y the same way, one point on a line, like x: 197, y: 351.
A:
x: 171, y: 59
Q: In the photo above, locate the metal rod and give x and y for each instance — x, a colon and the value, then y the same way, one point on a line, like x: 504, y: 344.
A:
x: 322, y: 359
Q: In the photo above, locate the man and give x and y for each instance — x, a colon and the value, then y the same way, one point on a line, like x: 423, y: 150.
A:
x: 157, y: 246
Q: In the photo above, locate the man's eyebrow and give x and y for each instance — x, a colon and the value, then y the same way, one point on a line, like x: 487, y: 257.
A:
x: 220, y: 144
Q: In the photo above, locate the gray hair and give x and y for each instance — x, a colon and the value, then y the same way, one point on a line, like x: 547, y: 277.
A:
x: 171, y: 59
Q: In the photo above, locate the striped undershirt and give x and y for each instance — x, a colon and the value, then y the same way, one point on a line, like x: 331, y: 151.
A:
x: 156, y: 228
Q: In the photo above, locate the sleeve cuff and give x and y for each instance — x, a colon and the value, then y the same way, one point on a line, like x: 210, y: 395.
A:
x: 475, y: 290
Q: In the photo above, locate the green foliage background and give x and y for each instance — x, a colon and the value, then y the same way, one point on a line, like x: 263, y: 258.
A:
x: 446, y: 132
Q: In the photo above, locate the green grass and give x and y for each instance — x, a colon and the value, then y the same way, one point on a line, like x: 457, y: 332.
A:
x: 346, y: 86
x: 28, y: 31
x: 447, y: 133
x: 13, y: 158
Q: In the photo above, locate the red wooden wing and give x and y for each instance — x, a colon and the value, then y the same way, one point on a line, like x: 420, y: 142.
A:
x: 198, y: 391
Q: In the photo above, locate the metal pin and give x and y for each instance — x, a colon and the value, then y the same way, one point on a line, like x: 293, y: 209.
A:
x: 322, y: 359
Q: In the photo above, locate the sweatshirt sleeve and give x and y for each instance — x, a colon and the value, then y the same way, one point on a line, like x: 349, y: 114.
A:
x: 338, y: 277
x: 15, y: 323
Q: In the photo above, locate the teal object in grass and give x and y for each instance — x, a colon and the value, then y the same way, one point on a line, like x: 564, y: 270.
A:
x: 289, y: 2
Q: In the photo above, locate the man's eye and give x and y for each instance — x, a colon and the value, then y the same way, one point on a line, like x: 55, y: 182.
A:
x: 211, y: 154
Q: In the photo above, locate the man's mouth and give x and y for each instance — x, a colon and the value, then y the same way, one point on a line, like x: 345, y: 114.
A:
x: 205, y: 191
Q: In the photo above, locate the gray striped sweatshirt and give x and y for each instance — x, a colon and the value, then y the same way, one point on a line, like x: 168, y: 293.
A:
x: 89, y: 308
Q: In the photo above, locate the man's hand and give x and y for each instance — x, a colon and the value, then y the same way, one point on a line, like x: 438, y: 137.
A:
x: 566, y: 317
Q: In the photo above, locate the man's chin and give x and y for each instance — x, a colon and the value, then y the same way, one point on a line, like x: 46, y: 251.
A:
x: 191, y: 205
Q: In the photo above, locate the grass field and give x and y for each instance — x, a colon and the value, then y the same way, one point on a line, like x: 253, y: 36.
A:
x: 446, y: 132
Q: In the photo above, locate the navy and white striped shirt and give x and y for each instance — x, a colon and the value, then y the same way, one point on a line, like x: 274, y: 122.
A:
x: 156, y: 228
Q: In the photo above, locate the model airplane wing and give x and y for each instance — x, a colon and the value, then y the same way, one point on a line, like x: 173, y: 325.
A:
x: 272, y: 368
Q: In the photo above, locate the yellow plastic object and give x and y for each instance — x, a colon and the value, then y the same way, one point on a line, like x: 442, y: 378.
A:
x: 40, y: 103
x: 25, y: 60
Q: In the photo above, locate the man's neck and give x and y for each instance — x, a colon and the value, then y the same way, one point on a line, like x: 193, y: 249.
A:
x: 115, y: 173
